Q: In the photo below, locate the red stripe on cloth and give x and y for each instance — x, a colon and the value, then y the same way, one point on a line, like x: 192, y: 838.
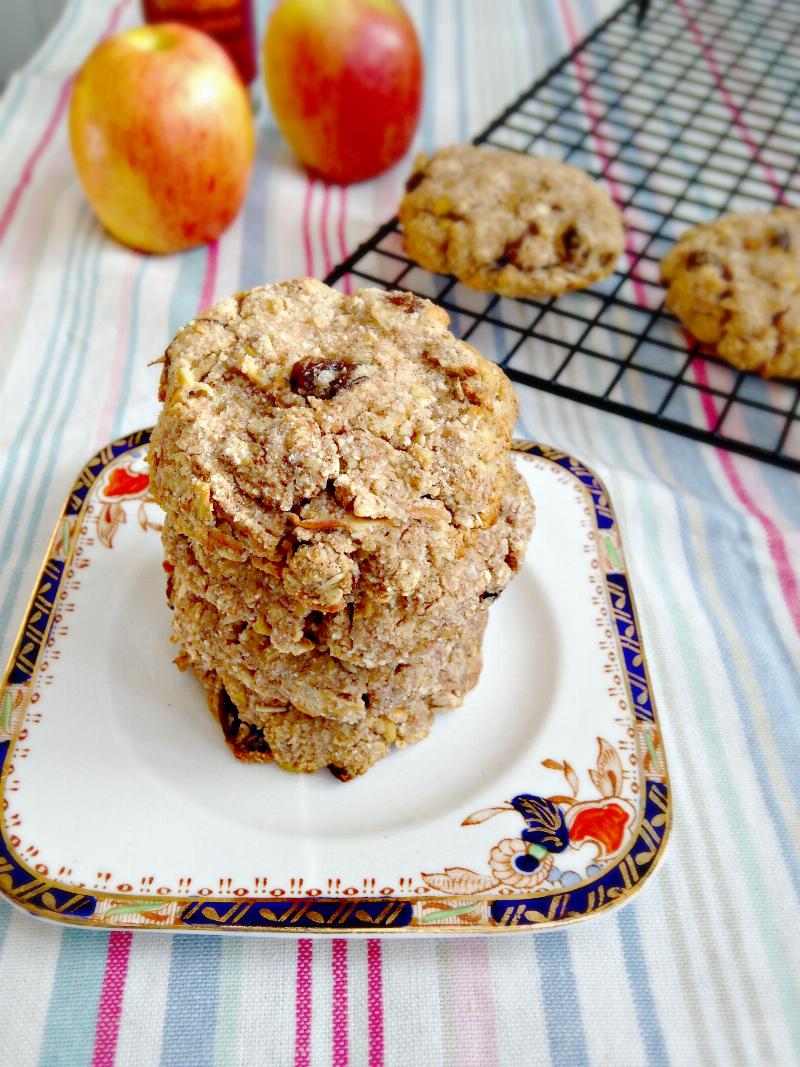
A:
x: 775, y: 543
x: 306, y: 227
x: 602, y: 149
x: 327, y: 263
x: 109, y: 1010
x: 339, y: 1013
x: 29, y: 166
x: 302, y: 1017
x: 730, y: 103
x: 341, y: 231
x: 375, y: 1001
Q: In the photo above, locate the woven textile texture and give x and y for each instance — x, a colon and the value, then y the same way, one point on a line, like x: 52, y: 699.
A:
x: 703, y: 967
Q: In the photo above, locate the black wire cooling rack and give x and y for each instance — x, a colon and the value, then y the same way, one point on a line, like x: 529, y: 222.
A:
x: 685, y: 117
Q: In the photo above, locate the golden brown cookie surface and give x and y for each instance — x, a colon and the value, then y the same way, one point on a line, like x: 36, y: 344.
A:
x: 735, y: 284
x: 509, y: 223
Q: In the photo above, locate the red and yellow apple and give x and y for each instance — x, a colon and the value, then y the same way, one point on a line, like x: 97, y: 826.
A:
x: 162, y: 134
x: 344, y: 78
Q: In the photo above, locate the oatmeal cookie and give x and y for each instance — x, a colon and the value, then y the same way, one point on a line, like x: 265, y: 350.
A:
x: 386, y: 504
x: 735, y: 284
x: 509, y: 223
x: 315, y: 683
x: 391, y: 611
x: 341, y: 509
x: 294, y: 392
x: 261, y: 729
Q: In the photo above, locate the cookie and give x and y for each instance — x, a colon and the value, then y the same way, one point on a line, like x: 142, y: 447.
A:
x: 509, y: 223
x: 295, y: 392
x: 735, y: 284
x: 340, y: 512
x: 381, y: 507
x: 258, y: 732
x: 386, y: 616
x: 314, y: 683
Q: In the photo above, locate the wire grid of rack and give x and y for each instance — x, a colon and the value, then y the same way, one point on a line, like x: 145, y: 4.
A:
x: 686, y: 117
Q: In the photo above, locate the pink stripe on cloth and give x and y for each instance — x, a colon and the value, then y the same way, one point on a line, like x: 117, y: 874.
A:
x: 375, y: 1002
x: 109, y: 1010
x: 306, y: 226
x: 302, y: 1031
x: 339, y: 1008
x: 473, y: 1004
x: 327, y: 263
x: 55, y: 119
x: 777, y: 546
x: 730, y: 103
x: 210, y: 279
x: 341, y: 233
x: 602, y: 148
x: 30, y: 164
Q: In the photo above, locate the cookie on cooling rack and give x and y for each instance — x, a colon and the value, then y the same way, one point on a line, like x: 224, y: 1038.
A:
x: 735, y: 284
x: 509, y: 223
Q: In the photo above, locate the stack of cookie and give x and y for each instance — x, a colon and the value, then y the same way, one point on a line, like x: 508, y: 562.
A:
x: 341, y: 509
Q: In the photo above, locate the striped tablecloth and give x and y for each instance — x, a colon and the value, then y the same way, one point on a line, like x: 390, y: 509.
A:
x: 704, y: 966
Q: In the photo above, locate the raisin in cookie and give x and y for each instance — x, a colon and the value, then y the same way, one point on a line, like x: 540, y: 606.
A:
x: 735, y: 284
x: 509, y: 223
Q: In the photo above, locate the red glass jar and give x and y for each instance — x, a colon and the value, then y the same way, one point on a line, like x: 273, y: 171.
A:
x: 229, y: 22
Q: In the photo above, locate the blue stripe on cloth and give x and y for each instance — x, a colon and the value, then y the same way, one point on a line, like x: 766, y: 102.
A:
x: 641, y: 986
x: 5, y: 919
x: 778, y: 483
x: 428, y: 123
x: 461, y: 60
x: 130, y: 359
x: 46, y: 363
x: 36, y: 463
x: 565, y: 1032
x: 552, y: 30
x: 254, y: 257
x: 69, y: 1031
x: 746, y: 602
x: 192, y: 994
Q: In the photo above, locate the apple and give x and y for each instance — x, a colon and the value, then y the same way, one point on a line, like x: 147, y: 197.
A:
x: 162, y: 135
x: 344, y: 78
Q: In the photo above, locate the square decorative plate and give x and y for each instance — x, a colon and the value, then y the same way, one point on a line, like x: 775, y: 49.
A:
x: 544, y: 799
